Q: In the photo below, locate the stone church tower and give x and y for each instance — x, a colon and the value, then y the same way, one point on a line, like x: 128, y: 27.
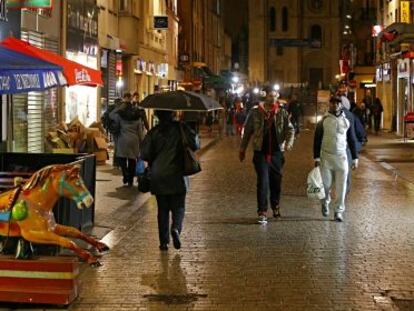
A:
x: 294, y: 41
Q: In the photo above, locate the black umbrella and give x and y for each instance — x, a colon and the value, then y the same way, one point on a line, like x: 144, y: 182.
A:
x: 180, y: 100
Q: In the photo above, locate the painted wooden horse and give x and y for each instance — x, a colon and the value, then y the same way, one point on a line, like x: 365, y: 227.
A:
x: 26, y: 211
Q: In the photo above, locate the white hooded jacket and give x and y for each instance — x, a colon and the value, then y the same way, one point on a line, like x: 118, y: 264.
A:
x: 333, y: 135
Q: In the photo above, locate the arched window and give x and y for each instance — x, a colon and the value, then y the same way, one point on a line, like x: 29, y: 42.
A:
x: 285, y: 21
x: 316, y: 32
x: 272, y: 19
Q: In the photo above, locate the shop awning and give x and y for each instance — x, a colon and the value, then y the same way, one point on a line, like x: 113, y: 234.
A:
x: 75, y: 73
x: 20, y: 73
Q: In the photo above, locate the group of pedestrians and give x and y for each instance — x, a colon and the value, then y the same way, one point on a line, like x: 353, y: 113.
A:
x: 235, y: 116
x: 272, y: 129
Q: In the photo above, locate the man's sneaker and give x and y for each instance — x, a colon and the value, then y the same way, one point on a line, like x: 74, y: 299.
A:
x: 276, y: 212
x: 325, y: 210
x: 262, y: 219
x: 339, y: 217
x: 176, y: 238
x: 164, y: 247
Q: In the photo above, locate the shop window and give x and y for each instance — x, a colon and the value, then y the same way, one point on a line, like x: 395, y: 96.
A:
x: 285, y: 19
x: 272, y: 19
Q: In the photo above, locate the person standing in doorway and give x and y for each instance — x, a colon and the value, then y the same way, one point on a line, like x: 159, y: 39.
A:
x: 273, y: 133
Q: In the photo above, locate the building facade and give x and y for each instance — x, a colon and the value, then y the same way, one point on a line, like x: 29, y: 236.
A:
x: 110, y: 52
x: 294, y: 42
x: 395, y: 65
x: 201, y: 42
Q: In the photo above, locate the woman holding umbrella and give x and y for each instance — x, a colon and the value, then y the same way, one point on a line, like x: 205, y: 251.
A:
x: 163, y: 149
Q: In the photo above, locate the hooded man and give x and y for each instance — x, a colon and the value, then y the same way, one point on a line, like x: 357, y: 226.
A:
x: 272, y: 133
x: 333, y: 135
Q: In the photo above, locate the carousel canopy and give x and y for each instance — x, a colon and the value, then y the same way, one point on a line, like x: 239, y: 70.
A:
x: 20, y: 73
x: 75, y: 73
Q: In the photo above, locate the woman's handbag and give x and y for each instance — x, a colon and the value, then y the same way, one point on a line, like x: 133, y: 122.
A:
x: 191, y: 164
x: 144, y: 181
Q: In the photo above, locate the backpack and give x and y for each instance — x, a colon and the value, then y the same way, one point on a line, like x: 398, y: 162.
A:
x: 110, y: 125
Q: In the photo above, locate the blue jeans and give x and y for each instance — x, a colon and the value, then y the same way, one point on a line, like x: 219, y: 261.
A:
x: 269, y: 179
x: 166, y: 203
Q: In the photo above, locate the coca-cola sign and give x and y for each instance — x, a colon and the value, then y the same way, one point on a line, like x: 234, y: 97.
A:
x: 82, y: 76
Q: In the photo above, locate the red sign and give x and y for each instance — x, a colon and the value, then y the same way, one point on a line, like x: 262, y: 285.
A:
x: 344, y: 66
x: 118, y: 67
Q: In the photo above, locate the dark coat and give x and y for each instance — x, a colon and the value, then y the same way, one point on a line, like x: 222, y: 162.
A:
x: 163, y: 149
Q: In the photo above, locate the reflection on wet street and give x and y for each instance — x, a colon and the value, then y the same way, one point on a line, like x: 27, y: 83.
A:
x: 300, y: 262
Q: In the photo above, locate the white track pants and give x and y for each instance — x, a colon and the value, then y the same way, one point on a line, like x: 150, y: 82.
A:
x: 334, y: 168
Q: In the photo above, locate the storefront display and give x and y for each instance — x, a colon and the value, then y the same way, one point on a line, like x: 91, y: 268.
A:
x: 82, y: 47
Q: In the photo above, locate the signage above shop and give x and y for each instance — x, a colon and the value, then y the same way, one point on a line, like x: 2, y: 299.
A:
x: 184, y: 58
x: 403, y: 68
x: 367, y: 85
x: 378, y: 73
x: 386, y: 72
x: 3, y: 10
x: 140, y: 66
x: 161, y: 22
x: 405, y: 11
x: 29, y: 4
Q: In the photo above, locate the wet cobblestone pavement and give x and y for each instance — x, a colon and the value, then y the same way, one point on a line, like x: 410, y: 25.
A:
x: 228, y: 262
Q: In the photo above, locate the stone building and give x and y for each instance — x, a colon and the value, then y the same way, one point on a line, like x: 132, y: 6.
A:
x: 294, y: 42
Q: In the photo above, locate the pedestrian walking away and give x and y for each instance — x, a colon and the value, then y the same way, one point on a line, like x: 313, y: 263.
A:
x: 230, y: 121
x: 163, y: 150
x: 332, y: 136
x: 127, y: 119
x: 273, y: 133
x: 377, y: 110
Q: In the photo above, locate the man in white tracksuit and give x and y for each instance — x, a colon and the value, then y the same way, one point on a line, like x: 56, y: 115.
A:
x: 332, y: 137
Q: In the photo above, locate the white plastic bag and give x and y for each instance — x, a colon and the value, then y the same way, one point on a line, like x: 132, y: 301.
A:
x: 315, y: 189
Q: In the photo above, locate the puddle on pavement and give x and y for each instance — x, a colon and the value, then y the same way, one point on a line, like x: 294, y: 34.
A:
x: 175, y: 299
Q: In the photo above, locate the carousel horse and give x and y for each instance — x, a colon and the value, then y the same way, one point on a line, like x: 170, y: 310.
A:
x: 26, y: 210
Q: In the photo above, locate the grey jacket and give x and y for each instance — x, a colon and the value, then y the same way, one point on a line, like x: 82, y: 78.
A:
x: 128, y: 140
x: 254, y: 125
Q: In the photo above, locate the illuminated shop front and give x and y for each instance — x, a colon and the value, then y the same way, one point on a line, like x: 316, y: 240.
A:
x: 82, y: 47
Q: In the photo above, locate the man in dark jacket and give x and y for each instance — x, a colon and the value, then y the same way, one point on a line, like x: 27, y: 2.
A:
x: 163, y: 149
x: 272, y: 133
